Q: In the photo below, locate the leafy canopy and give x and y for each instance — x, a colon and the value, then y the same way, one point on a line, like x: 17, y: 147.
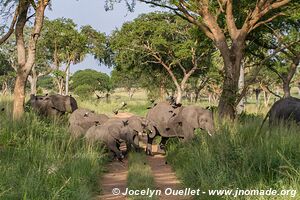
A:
x: 96, y: 81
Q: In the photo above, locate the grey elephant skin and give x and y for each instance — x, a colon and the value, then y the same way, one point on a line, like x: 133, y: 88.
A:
x: 52, y: 105
x: 65, y: 104
x: 284, y: 110
x: 43, y: 106
x: 115, y: 131
x: 170, y: 121
x: 83, y: 119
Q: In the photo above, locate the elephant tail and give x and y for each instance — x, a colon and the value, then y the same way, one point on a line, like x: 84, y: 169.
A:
x: 265, y: 119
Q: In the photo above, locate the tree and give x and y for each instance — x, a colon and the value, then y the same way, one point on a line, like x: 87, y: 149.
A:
x: 285, y: 63
x: 26, y: 55
x: 165, y: 40
x: 130, y: 80
x: 67, y: 45
x: 228, y: 23
x: 91, y: 81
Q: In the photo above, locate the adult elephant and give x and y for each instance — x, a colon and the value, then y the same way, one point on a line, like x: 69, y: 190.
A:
x: 43, y: 106
x: 171, y: 121
x: 284, y: 110
x: 52, y: 105
x: 65, y: 104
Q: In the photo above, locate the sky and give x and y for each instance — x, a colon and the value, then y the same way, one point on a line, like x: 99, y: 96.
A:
x: 94, y: 14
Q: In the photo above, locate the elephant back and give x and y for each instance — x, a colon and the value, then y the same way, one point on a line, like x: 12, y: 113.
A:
x: 160, y: 114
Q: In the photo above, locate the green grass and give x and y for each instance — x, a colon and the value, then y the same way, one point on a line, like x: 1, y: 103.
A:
x: 39, y: 160
x: 138, y: 107
x: 240, y: 157
x: 139, y: 175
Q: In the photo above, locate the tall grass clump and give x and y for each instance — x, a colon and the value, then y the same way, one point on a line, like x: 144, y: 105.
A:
x: 39, y: 160
x: 139, y: 175
x: 240, y: 156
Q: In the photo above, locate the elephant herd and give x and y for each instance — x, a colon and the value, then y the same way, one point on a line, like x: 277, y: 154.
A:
x: 165, y: 119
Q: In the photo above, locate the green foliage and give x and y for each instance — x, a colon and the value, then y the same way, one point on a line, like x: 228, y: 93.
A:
x: 143, y: 47
x: 239, y: 157
x: 84, y: 91
x: 126, y: 79
x: 7, y: 73
x: 39, y: 160
x: 97, y: 44
x: 96, y: 81
x: 46, y: 82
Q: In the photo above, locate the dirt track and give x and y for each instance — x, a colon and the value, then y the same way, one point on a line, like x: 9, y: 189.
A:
x: 163, y: 175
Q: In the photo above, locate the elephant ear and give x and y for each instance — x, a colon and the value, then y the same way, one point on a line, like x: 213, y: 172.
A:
x: 151, y: 127
x: 58, y: 103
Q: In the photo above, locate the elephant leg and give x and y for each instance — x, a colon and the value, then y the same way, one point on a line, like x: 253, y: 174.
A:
x: 128, y: 147
x: 113, y: 147
x: 188, y: 133
x: 149, y: 146
x: 161, y: 148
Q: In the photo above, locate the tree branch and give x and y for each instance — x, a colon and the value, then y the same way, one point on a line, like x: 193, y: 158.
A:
x: 230, y: 20
x: 266, y: 21
x: 269, y: 90
x: 11, y: 28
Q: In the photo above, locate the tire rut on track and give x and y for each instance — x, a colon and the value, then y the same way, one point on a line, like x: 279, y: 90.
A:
x: 164, y: 176
x: 115, y: 178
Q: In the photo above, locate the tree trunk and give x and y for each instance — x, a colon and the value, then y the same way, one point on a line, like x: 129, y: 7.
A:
x: 179, y: 95
x: 33, y: 84
x: 266, y: 98
x: 61, y: 86
x: 19, y: 96
x: 67, y: 79
x: 33, y: 81
x: 241, y: 104
x: 288, y: 78
x: 232, y: 64
x: 162, y: 91
x: 4, y: 87
x: 257, y: 92
x: 209, y: 99
x: 197, y: 92
x: 286, y: 89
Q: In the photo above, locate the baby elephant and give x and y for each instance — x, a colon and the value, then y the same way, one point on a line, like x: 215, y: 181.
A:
x: 115, y: 131
x: 82, y: 119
